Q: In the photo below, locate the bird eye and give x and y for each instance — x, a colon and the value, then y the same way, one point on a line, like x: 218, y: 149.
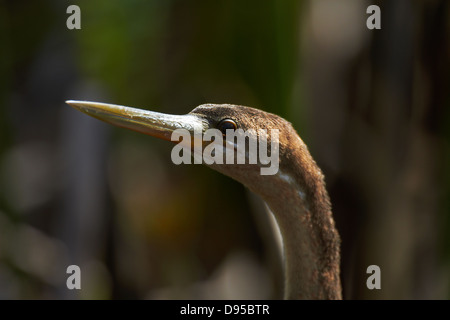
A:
x: 226, y: 124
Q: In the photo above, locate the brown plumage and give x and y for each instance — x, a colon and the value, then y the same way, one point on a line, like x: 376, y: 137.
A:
x: 311, y: 242
x: 296, y: 194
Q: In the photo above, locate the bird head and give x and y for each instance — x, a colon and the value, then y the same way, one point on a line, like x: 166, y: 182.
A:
x: 256, y: 124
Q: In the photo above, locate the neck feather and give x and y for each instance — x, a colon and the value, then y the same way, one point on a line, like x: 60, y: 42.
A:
x: 300, y: 204
x: 311, y: 242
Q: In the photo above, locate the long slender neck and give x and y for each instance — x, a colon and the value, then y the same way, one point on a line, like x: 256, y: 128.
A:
x: 311, y: 242
x: 300, y: 204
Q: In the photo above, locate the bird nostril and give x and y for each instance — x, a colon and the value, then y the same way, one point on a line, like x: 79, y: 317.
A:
x: 226, y: 124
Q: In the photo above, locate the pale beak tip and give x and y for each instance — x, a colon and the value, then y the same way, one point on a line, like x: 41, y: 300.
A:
x: 79, y: 105
x: 72, y: 103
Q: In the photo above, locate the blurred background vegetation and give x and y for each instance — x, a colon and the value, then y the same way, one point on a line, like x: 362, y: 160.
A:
x: 373, y: 106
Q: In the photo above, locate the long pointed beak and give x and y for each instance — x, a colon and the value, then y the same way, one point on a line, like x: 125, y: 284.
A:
x: 155, y: 124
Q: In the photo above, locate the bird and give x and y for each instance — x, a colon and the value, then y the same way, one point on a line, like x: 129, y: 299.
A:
x: 296, y: 194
